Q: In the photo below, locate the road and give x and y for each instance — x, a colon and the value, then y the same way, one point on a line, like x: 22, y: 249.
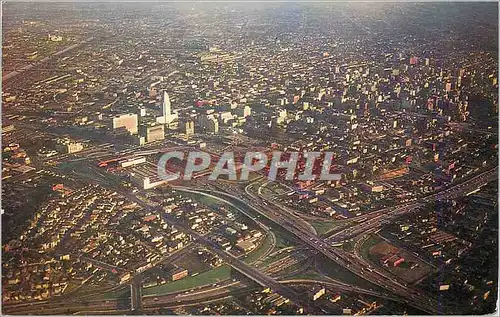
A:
x: 372, y: 221
x: 200, y: 295
x: 353, y: 263
x: 345, y: 259
x: 73, y: 299
x: 42, y: 61
x: 245, y: 269
x: 136, y: 294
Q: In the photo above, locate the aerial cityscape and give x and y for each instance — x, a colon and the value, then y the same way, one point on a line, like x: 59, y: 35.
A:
x: 253, y: 158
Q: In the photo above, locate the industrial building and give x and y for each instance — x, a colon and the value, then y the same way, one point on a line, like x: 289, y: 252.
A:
x: 66, y: 146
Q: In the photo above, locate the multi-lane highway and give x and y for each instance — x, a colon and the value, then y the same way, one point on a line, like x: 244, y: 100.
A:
x: 350, y: 261
x: 282, y: 217
x: 247, y: 270
x: 347, y: 260
x: 374, y: 220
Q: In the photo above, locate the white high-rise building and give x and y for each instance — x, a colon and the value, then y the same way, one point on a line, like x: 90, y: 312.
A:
x: 168, y: 116
x: 166, y: 105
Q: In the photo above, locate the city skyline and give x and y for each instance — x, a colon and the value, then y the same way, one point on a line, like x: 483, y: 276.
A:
x: 262, y: 158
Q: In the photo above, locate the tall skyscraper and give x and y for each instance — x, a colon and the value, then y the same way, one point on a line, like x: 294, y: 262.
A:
x: 166, y: 105
x: 167, y: 115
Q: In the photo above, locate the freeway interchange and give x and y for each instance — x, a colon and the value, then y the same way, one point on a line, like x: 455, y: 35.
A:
x: 259, y: 208
x: 353, y: 263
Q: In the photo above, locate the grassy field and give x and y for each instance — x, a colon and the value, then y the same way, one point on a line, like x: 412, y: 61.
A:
x: 348, y: 246
x: 209, y: 201
x: 213, y: 276
x: 209, y: 277
x: 365, y: 248
x: 308, y: 275
x: 342, y: 274
x: 282, y: 243
x: 323, y: 226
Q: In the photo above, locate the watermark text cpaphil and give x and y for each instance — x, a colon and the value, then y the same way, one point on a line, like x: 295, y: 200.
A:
x: 303, y: 166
